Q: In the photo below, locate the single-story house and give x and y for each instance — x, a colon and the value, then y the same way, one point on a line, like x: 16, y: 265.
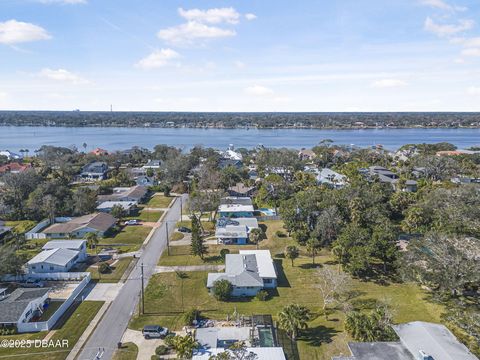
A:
x: 96, y: 170
x: 306, y: 155
x: 417, y: 340
x: 240, y: 190
x: 152, y: 164
x: 250, y: 223
x: 53, y: 260
x: 14, y: 168
x: 76, y: 245
x: 133, y: 193
x: 249, y: 272
x: 331, y: 178
x: 144, y: 180
x: 127, y: 206
x: 22, y: 305
x: 98, y: 223
x: 232, y: 234
x: 235, y: 210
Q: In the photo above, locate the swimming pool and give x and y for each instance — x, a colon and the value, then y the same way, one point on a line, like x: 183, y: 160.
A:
x: 265, y: 336
x: 268, y: 212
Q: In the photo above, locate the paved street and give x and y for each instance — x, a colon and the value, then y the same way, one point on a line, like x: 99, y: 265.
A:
x: 111, y: 328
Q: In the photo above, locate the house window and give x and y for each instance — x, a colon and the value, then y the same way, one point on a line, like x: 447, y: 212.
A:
x: 34, y: 267
x: 267, y: 281
x: 51, y: 267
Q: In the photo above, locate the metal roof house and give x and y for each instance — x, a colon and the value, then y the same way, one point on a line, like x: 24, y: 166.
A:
x: 249, y: 272
x: 53, y: 260
x: 21, y: 306
x: 232, y: 234
x: 235, y: 210
x: 76, y: 245
x: 418, y: 341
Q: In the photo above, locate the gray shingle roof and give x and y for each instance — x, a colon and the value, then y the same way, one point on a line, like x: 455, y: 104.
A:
x: 12, y: 307
x: 240, y: 270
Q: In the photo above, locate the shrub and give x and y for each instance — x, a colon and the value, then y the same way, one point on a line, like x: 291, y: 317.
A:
x: 104, y: 268
x: 169, y: 340
x: 224, y: 252
x: 222, y: 290
x: 262, y: 295
x: 190, y: 316
x: 280, y: 233
x: 161, y: 350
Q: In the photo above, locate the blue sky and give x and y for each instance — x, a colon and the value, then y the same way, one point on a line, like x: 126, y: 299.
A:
x: 262, y: 55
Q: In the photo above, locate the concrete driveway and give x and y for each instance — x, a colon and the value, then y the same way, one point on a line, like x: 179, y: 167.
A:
x: 146, y: 348
x: 104, y: 291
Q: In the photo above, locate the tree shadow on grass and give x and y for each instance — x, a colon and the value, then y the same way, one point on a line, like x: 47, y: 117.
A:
x: 310, y: 266
x: 318, y: 335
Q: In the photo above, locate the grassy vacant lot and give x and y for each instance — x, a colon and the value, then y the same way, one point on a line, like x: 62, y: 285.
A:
x: 118, y: 269
x: 323, y: 339
x: 132, y: 236
x: 159, y: 201
x: 128, y: 351
x: 21, y: 226
x: 145, y: 215
x: 70, y: 330
x: 207, y: 225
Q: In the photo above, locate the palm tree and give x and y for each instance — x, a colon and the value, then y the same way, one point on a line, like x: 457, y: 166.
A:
x: 92, y: 240
x: 292, y: 318
x: 256, y: 235
x: 184, y: 346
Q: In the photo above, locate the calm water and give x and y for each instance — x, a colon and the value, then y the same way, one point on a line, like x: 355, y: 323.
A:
x: 15, y: 138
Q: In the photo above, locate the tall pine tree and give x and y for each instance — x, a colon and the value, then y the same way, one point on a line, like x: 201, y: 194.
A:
x: 198, y: 245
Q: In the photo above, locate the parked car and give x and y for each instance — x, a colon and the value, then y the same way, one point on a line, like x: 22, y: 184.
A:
x: 154, y: 331
x: 32, y: 283
x: 184, y: 229
x: 132, y: 222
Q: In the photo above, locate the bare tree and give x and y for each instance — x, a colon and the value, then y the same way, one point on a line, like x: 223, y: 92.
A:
x: 331, y: 284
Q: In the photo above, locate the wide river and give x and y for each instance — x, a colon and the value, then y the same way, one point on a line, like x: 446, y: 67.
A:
x: 15, y: 138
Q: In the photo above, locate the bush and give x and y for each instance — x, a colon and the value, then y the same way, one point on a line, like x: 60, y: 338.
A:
x: 104, y: 268
x: 161, y: 350
x: 190, y: 316
x: 224, y: 252
x: 262, y: 295
x: 169, y: 340
x: 280, y: 234
x: 222, y: 290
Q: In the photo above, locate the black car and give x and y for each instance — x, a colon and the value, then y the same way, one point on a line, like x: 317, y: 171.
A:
x: 184, y: 229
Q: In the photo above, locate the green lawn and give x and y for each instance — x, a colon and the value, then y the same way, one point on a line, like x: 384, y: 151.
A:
x: 52, y: 307
x: 145, y: 215
x: 69, y: 330
x: 177, y: 236
x: 159, y: 201
x: 132, y: 236
x: 128, y: 351
x: 21, y: 226
x: 207, y: 225
x: 118, y: 269
x: 323, y: 339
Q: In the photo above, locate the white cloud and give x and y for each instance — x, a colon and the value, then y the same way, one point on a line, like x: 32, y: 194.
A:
x: 258, y: 90
x: 157, y: 59
x: 62, y: 75
x: 239, y: 64
x: 388, y: 83
x: 442, y: 5
x: 67, y: 2
x: 191, y: 31
x: 15, y: 32
x: 447, y: 29
x: 250, y: 16
x: 473, y: 90
x: 211, y: 16
x: 471, y: 52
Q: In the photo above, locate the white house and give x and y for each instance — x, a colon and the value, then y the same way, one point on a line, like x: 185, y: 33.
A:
x: 10, y: 155
x: 53, y: 260
x: 21, y: 306
x: 249, y: 272
x: 331, y: 178
x: 235, y: 210
x: 76, y: 245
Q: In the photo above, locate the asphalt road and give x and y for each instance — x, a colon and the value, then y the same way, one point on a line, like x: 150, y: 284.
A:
x: 110, y: 330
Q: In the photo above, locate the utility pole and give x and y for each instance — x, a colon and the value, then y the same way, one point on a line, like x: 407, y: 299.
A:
x: 168, y: 241
x: 143, y: 294
x: 181, y: 208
